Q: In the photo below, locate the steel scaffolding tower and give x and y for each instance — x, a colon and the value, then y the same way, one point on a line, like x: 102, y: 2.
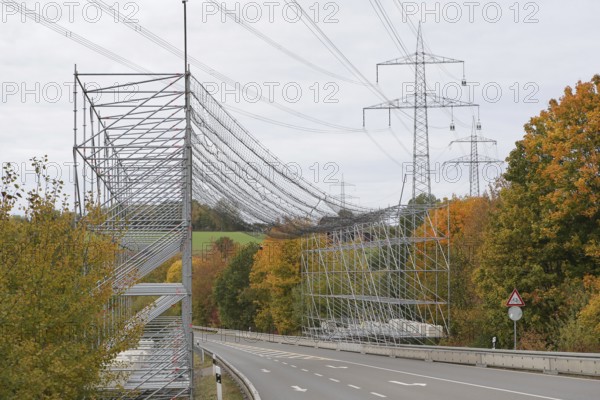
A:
x: 474, y: 159
x: 381, y: 282
x: 133, y: 158
x: 420, y: 102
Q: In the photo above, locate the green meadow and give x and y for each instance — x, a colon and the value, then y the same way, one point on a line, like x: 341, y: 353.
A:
x: 202, y: 240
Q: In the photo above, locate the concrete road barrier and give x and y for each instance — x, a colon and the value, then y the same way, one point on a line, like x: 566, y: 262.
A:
x: 586, y: 364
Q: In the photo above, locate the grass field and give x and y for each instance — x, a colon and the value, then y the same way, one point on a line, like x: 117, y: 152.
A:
x: 201, y: 240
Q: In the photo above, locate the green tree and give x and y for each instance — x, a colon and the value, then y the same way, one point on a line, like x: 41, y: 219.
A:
x: 224, y: 216
x: 232, y: 290
x: 54, y: 297
x: 581, y: 332
x: 544, y: 230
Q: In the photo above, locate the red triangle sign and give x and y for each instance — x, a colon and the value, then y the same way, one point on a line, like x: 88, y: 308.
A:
x: 515, y: 300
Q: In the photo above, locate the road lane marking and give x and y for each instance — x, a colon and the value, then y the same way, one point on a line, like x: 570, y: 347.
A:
x: 408, y: 384
x: 268, y: 352
x: 266, y: 371
x: 354, y: 387
x: 334, y: 367
x: 293, y: 366
x: 334, y: 380
x: 305, y: 370
x: 298, y: 389
x: 491, y: 388
x: 378, y: 394
x: 284, y: 354
x: 318, y: 374
x: 537, y: 396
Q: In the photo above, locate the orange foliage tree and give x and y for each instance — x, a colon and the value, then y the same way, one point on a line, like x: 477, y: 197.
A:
x: 274, y: 281
x: 544, y: 233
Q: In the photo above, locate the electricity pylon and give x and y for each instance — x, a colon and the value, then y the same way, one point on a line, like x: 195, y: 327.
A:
x: 420, y: 102
x: 343, y: 196
x: 474, y: 159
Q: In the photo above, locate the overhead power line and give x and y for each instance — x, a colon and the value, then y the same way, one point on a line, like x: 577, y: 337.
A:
x: 136, y: 27
x: 279, y: 46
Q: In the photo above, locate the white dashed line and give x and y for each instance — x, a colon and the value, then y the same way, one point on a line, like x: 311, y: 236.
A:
x: 378, y: 394
x: 334, y: 380
x: 305, y: 370
x: 318, y: 374
x: 354, y: 387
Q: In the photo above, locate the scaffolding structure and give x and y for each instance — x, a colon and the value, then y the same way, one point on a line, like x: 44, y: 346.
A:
x: 132, y: 156
x: 384, y: 282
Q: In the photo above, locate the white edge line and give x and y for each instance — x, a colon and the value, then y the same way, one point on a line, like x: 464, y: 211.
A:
x: 456, y: 382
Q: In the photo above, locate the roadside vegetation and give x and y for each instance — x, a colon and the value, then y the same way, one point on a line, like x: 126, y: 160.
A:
x: 537, y: 229
x: 205, y: 386
x: 53, y: 302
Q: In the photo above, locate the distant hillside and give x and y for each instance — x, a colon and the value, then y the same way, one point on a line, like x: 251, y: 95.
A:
x: 203, y: 239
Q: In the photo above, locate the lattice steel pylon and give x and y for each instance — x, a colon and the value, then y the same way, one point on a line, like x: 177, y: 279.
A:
x: 474, y: 159
x: 420, y: 102
x: 384, y: 282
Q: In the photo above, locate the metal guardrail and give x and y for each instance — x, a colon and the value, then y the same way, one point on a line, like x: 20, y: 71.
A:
x: 248, y: 389
x: 586, y: 364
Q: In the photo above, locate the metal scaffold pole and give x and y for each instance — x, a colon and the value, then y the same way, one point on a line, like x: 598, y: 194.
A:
x: 187, y: 207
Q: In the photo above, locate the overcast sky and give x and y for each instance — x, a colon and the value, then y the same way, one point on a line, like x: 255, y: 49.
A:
x: 518, y: 56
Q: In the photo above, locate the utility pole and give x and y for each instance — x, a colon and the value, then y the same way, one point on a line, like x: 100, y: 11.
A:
x: 420, y: 102
x: 474, y: 159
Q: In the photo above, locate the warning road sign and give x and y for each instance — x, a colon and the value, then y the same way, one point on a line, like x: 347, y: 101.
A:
x: 515, y: 300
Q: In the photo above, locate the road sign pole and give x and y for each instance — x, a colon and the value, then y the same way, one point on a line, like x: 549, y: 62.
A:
x: 515, y: 302
x: 515, y: 324
x: 515, y: 313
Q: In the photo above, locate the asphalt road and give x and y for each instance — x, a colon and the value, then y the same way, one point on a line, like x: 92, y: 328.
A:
x: 283, y: 371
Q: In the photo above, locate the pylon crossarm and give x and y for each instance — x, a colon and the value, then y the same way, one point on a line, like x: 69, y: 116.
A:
x: 477, y: 139
x: 412, y: 59
x: 480, y: 160
x: 433, y: 101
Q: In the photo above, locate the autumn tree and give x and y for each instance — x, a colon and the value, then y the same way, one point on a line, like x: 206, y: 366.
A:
x: 232, y: 290
x: 206, y: 268
x: 54, y: 296
x: 468, y: 221
x: 275, y: 280
x: 544, y: 233
x: 581, y: 332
